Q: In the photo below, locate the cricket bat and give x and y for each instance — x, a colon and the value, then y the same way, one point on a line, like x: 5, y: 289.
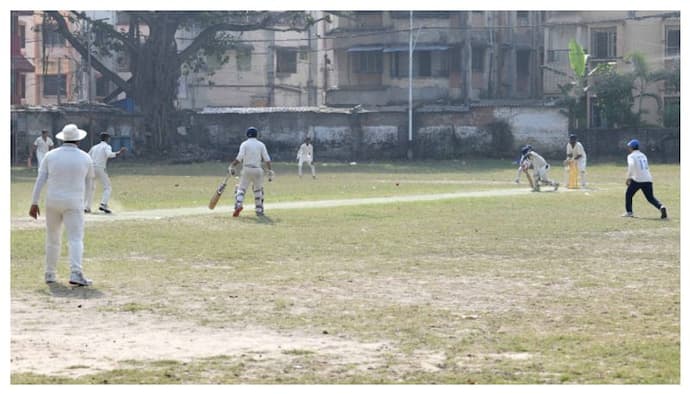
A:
x: 218, y: 193
x: 572, y: 175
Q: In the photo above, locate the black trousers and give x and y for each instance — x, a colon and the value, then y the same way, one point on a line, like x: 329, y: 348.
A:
x: 648, y: 191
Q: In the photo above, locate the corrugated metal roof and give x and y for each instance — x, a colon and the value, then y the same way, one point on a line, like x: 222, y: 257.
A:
x: 263, y: 110
x: 406, y: 48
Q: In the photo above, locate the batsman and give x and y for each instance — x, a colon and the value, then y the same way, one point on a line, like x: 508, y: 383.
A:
x: 252, y: 155
x: 575, y: 162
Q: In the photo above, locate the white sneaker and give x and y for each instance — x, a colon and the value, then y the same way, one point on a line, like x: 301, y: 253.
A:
x: 78, y: 279
x: 50, y: 277
x: 627, y: 215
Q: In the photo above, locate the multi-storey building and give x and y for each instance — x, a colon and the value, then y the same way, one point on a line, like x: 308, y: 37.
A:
x: 457, y: 56
x: 265, y: 68
x: 607, y: 37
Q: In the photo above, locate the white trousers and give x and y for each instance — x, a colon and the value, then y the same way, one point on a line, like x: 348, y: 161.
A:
x: 39, y: 157
x: 102, y: 175
x: 307, y: 160
x: 255, y: 176
x: 71, y: 213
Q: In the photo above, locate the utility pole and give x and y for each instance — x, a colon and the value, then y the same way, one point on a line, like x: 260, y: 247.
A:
x: 409, y: 93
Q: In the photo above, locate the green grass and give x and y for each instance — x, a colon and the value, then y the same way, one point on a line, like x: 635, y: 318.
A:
x: 535, y: 288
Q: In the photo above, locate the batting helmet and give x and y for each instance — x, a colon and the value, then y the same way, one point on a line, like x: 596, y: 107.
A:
x: 252, y: 132
x: 526, y: 149
x: 573, y: 137
x: 634, y: 144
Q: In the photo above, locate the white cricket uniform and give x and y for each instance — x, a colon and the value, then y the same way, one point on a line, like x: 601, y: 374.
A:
x: 540, y: 166
x: 305, y: 154
x: 100, y: 154
x: 252, y: 153
x: 638, y: 167
x: 66, y: 172
x: 42, y: 147
x: 573, y: 152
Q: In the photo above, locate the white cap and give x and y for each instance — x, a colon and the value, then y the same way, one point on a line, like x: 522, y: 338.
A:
x: 71, y: 133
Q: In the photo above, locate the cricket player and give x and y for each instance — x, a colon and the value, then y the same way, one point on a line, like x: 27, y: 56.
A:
x: 638, y: 178
x: 252, y: 154
x: 100, y: 154
x: 41, y: 146
x: 540, y: 168
x: 575, y: 151
x: 66, y: 172
x: 306, y: 154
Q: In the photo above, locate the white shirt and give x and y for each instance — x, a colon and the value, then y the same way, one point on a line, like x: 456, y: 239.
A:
x: 252, y: 153
x: 638, y: 167
x: 101, y: 153
x: 305, y: 152
x: 573, y: 152
x: 42, y: 147
x: 536, y: 160
x: 66, y: 172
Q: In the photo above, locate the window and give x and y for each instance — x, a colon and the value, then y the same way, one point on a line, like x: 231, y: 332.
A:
x: 672, y: 111
x: 122, y: 61
x: 522, y: 63
x: 51, y: 37
x: 426, y: 63
x: 603, y: 43
x: 51, y: 83
x: 478, y: 59
x: 102, y: 87
x: 422, y: 66
x: 672, y: 41
x: 369, y: 62
x: 286, y: 61
x: 523, y: 18
x: 22, y: 36
x: 244, y: 59
x: 22, y: 85
x: 399, y: 64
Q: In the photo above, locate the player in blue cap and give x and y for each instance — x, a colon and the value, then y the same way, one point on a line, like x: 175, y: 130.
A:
x: 638, y: 178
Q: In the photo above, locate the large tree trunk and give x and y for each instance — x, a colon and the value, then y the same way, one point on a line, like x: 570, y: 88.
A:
x: 157, y: 69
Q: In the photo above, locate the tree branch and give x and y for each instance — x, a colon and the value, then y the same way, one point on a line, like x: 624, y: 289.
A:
x: 79, y: 47
x: 264, y: 24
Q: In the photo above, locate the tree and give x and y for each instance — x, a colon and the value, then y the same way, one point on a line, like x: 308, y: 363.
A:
x: 155, y: 59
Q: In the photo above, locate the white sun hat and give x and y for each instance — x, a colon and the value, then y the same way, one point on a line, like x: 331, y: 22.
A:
x: 71, y: 133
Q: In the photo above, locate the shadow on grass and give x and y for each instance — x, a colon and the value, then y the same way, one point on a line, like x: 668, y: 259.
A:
x: 80, y: 292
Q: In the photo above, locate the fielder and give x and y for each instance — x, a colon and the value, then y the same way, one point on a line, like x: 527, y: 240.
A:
x: 540, y: 168
x: 306, y: 154
x: 100, y: 154
x: 638, y: 178
x: 574, y: 151
x: 66, y: 172
x: 251, y: 154
x: 41, y: 146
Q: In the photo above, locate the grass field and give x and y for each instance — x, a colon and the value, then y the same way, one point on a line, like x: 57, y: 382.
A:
x: 505, y: 287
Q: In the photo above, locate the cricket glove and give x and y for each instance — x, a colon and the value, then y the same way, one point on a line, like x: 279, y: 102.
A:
x: 232, y: 171
x: 270, y: 173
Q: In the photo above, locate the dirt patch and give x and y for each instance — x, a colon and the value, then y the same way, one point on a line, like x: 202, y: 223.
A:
x: 75, y: 337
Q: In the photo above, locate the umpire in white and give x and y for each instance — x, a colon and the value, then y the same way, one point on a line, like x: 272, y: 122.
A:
x: 66, y: 172
x: 252, y: 153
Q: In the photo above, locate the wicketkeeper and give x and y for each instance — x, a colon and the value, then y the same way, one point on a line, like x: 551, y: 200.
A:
x: 574, y: 151
x: 252, y: 154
